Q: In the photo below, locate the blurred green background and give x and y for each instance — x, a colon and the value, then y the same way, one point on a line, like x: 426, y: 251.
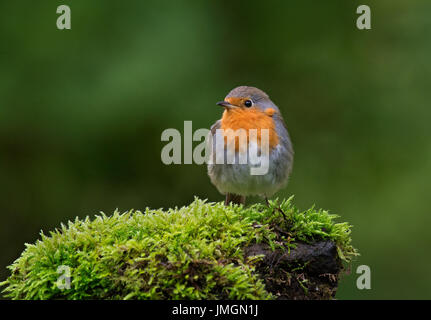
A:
x: 82, y: 112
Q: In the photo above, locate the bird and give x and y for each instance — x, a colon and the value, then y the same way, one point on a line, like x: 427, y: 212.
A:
x: 247, y: 108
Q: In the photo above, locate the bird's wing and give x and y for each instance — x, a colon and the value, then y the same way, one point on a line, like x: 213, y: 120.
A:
x: 215, y: 126
x: 211, y: 143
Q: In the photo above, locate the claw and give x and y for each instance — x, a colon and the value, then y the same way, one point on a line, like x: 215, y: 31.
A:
x: 278, y: 209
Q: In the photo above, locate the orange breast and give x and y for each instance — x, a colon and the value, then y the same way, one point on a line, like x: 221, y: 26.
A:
x: 250, y: 118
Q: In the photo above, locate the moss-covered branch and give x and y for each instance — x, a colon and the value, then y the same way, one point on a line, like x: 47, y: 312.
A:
x: 196, y: 252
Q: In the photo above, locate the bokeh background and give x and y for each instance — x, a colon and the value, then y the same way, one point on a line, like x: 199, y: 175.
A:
x: 82, y: 112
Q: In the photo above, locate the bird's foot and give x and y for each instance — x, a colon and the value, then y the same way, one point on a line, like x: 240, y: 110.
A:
x: 278, y: 209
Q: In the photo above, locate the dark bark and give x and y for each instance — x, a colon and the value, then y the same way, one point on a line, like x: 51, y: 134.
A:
x: 309, y: 271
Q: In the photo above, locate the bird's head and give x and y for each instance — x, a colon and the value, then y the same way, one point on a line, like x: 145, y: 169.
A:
x: 248, y: 99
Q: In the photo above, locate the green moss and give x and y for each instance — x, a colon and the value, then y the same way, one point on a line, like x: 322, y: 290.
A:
x: 194, y: 252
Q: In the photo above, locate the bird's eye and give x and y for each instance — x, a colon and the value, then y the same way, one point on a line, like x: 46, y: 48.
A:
x: 248, y: 103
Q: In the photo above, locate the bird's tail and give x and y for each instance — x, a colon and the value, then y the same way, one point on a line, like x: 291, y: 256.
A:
x: 234, y: 199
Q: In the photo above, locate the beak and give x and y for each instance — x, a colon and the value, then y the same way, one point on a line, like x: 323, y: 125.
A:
x: 225, y: 104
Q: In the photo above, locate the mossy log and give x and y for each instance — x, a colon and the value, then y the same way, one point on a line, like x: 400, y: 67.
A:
x: 202, y: 251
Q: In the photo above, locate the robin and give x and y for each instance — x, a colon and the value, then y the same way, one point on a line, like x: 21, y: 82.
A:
x: 250, y: 108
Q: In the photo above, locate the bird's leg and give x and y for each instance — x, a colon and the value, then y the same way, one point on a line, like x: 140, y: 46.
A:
x: 234, y: 199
